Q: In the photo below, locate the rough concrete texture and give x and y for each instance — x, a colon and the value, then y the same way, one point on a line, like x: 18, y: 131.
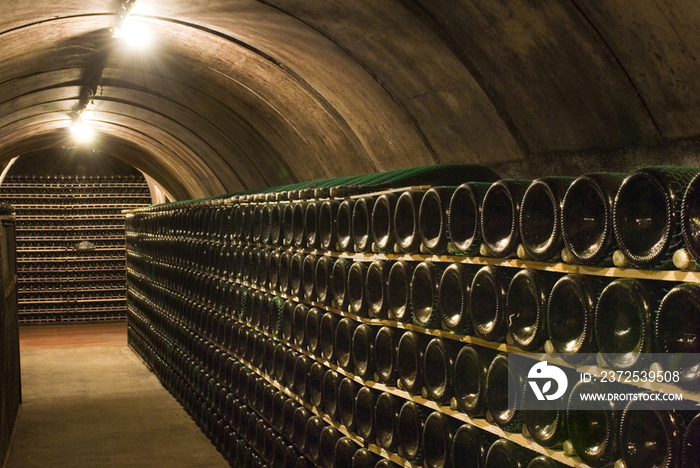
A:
x: 241, y: 94
x: 88, y: 401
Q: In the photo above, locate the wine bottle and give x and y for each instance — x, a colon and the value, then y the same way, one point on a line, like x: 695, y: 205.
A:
x: 230, y: 442
x: 327, y: 229
x: 546, y: 427
x: 278, y: 403
x: 314, y: 428
x: 339, y: 281
x: 543, y: 462
x: 224, y: 267
x: 322, y: 279
x: 469, y: 447
x: 256, y: 228
x: 464, y: 216
x: 311, y: 236
x: 243, y: 454
x: 302, y: 462
x: 362, y: 224
x: 276, y: 224
x: 300, y: 419
x: 365, y: 405
x: 382, y: 222
x: 344, y: 225
x: 240, y: 417
x: 308, y: 269
x: 357, y: 302
x: 298, y: 225
x: 312, y: 329
x: 268, y: 402
x: 344, y: 453
x: 259, y: 392
x: 691, y: 444
x: 363, y: 351
x: 646, y: 214
x: 291, y: 455
x: 249, y: 352
x: 243, y: 376
x: 327, y: 442
x: 409, y: 361
x: 438, y: 433
x: 329, y: 398
x: 470, y: 369
x: 690, y: 218
x: 288, y: 418
x: 406, y: 221
x: 499, y: 216
x: 363, y: 458
x: 624, y: 319
x: 386, y: 414
x: 375, y: 288
x: 386, y: 463
x: 287, y: 325
x: 315, y: 384
x: 438, y: 368
x: 399, y: 291
x: 277, y: 308
x: 287, y: 224
x: 299, y: 324
x: 245, y: 264
x: 329, y: 324
x: 347, y: 393
x: 498, y: 380
x: 296, y: 272
x: 265, y: 226
x: 432, y: 219
x: 424, y: 294
x: 593, y: 433
x: 650, y: 437
x: 677, y: 333
x: 259, y: 351
x: 237, y: 222
x: 540, y: 217
x: 526, y: 305
x: 410, y: 423
x: 267, y: 309
x: 505, y: 454
x: 487, y: 303
x: 301, y: 374
x: 570, y: 315
x: 279, y: 451
x: 247, y: 233
x: 260, y: 436
x: 344, y: 332
x: 284, y: 273
x: 453, y: 298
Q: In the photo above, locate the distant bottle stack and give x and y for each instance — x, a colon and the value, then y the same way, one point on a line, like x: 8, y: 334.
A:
x: 71, y: 244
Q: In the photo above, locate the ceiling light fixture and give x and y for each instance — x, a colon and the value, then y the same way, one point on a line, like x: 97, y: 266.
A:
x: 82, y: 133
x: 134, y: 34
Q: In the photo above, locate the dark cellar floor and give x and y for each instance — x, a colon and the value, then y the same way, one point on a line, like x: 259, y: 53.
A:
x: 88, y: 401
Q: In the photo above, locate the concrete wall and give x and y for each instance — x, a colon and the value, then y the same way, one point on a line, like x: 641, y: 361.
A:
x: 237, y: 94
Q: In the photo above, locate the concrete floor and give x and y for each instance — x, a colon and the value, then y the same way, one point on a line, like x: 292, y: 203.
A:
x: 88, y: 401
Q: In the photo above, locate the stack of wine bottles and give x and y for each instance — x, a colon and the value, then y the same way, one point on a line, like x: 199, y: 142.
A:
x: 327, y: 325
x: 70, y: 244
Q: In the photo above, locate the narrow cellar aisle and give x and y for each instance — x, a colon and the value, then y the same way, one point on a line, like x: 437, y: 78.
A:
x: 88, y: 401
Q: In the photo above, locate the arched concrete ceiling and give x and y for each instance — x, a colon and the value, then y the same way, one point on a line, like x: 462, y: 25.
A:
x: 237, y: 94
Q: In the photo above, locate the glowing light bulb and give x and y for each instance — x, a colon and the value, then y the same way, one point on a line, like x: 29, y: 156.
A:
x: 82, y: 133
x: 134, y: 34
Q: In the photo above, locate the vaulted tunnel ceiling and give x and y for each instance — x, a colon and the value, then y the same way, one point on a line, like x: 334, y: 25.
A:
x: 237, y: 94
